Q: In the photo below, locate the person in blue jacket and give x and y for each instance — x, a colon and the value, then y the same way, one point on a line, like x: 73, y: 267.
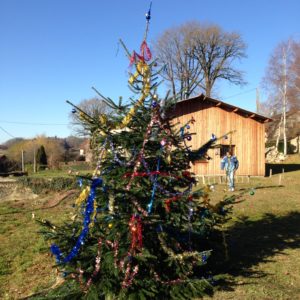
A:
x: 230, y: 164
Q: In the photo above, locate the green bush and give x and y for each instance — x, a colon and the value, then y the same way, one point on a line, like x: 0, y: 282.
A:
x: 41, y: 185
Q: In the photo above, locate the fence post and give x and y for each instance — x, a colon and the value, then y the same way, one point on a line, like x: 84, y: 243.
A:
x: 279, y: 180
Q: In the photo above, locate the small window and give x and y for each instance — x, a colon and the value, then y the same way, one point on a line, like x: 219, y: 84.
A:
x: 227, y: 148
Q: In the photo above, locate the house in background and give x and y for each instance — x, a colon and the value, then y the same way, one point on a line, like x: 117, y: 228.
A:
x: 213, y: 116
x: 85, y: 151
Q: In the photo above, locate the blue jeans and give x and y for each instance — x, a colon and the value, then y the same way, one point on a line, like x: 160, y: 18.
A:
x: 230, y: 178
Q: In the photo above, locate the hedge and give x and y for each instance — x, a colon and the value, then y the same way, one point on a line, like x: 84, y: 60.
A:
x: 41, y: 185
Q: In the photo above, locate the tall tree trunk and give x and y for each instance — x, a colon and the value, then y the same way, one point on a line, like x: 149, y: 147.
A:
x: 208, y: 88
x: 279, y: 132
x: 284, y: 100
x: 284, y: 130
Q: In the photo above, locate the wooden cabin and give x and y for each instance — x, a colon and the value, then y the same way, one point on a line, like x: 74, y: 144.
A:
x: 216, y: 117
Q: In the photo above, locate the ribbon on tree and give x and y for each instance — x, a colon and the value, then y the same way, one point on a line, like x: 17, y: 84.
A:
x: 83, y: 195
x: 165, y: 191
x: 129, y: 276
x: 175, y: 198
x: 89, y: 209
x: 126, y: 120
x: 154, y: 187
x: 143, y: 70
x: 145, y: 51
x: 97, y: 264
x: 135, y: 226
x: 185, y: 175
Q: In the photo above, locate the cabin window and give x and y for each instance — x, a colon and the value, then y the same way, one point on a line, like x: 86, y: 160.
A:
x: 226, y: 148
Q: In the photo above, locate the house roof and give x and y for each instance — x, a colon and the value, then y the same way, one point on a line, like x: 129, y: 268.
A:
x: 234, y: 109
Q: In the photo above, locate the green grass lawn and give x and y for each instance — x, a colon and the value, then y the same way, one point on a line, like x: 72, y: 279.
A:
x: 263, y: 239
x: 25, y: 262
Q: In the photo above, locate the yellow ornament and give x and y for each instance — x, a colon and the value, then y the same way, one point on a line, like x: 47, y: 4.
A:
x: 110, y: 225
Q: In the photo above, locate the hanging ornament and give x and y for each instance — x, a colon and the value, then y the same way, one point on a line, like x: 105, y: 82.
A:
x: 163, y: 142
x: 74, y: 111
x: 252, y: 192
x: 213, y: 137
x: 154, y: 104
x: 148, y: 14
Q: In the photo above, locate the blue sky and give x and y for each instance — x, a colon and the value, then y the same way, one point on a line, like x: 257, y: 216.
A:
x: 54, y: 50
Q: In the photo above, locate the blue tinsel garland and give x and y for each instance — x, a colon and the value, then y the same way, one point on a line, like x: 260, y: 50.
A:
x: 89, y: 209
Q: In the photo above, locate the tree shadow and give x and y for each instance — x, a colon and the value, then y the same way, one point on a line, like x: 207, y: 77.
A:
x: 251, y: 242
x: 280, y: 168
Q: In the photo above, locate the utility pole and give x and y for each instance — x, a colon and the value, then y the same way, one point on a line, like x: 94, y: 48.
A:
x: 23, y: 166
x: 257, y: 101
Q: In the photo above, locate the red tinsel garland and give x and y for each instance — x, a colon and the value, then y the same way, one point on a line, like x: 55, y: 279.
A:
x: 175, y: 198
x: 145, y: 51
x: 185, y: 174
x: 135, y: 226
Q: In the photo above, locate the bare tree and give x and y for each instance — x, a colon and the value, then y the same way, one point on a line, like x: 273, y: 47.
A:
x: 196, y: 56
x: 174, y: 51
x: 216, y: 51
x: 280, y: 82
x: 93, y: 107
x: 294, y: 92
x: 53, y: 146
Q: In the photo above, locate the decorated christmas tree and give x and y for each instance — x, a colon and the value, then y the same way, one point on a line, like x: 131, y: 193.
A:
x: 142, y: 229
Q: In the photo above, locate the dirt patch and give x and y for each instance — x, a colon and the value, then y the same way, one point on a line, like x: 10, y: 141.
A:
x: 11, y: 191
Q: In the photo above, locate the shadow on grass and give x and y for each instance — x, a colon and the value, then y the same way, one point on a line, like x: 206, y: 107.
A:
x: 251, y: 242
x: 280, y: 168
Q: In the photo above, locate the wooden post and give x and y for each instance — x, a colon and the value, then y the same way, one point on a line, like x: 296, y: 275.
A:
x: 23, y: 166
x: 34, y: 161
x: 282, y: 172
x: 248, y: 178
x: 203, y: 179
x: 270, y: 173
x: 279, y: 180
